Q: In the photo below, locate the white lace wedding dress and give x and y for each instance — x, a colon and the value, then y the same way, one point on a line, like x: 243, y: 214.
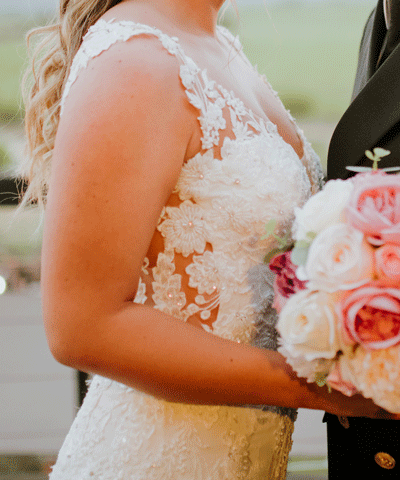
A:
x: 225, y: 196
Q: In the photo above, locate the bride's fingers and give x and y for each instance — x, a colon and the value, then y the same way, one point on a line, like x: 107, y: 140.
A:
x: 385, y: 415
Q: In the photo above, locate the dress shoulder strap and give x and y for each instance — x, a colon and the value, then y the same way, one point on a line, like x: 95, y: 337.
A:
x: 199, y: 90
x: 102, y: 35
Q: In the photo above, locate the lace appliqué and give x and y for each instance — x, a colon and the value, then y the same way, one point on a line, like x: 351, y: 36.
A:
x: 168, y: 296
x: 184, y: 229
x: 217, y: 276
x: 140, y: 296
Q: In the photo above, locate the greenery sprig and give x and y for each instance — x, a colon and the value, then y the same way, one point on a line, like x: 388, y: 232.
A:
x: 376, y: 156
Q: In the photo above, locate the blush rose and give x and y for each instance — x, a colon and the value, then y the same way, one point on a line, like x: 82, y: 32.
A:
x: 374, y: 207
x: 387, y: 261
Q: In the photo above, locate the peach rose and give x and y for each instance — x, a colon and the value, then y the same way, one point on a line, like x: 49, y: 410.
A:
x: 375, y: 374
x: 387, y: 262
x: 371, y: 316
x: 374, y: 207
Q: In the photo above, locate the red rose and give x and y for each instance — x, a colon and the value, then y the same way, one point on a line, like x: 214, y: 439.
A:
x: 286, y: 283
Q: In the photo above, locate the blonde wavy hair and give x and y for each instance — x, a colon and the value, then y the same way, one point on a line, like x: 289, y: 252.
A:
x: 43, y: 85
x: 44, y: 82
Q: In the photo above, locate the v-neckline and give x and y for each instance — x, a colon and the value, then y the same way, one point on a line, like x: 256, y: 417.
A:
x: 260, y: 120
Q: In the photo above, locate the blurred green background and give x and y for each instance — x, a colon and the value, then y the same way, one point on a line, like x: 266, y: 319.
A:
x: 307, y: 50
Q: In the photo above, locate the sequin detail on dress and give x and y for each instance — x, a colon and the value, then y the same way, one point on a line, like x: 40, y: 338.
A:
x: 244, y: 176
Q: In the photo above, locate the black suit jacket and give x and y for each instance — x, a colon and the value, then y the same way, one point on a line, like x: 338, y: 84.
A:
x: 372, y: 120
x: 373, y: 117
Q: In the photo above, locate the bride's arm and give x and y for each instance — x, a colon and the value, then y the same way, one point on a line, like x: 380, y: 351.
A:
x: 124, y: 134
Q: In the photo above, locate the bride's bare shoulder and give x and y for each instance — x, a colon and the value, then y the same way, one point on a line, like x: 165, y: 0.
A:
x: 129, y: 95
x: 135, y: 67
x: 130, y: 80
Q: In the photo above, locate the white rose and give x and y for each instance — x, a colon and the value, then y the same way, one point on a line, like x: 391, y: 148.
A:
x: 339, y: 258
x: 311, y: 370
x: 307, y: 325
x: 323, y: 209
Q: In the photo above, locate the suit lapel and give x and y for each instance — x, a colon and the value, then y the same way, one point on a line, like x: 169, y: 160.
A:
x: 373, y: 38
x: 374, y: 112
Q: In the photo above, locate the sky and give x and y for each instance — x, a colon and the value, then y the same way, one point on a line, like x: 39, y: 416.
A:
x: 39, y: 6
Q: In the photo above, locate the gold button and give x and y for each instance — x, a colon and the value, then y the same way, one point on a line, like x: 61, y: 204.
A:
x: 385, y: 460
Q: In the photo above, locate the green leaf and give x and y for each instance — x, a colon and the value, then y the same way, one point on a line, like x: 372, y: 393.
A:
x: 391, y: 169
x: 282, y: 241
x: 370, y: 155
x: 302, y: 244
x: 381, y: 152
x: 270, y: 226
x: 311, y: 235
x: 359, y: 169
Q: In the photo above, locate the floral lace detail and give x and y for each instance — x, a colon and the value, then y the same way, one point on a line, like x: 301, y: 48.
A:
x: 140, y: 296
x: 145, y: 266
x: 218, y: 228
x: 194, y: 180
x: 141, y: 293
x: 238, y: 326
x: 210, y: 274
x: 184, y: 229
x: 168, y: 296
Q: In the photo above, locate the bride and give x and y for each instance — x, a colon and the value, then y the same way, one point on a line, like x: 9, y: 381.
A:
x: 160, y: 154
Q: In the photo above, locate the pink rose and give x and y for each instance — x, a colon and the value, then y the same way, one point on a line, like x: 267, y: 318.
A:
x: 371, y: 316
x: 374, y: 207
x: 387, y: 262
x: 286, y: 283
x: 335, y: 380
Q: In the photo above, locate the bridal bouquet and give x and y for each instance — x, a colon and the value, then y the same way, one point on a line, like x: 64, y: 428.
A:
x: 337, y: 291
